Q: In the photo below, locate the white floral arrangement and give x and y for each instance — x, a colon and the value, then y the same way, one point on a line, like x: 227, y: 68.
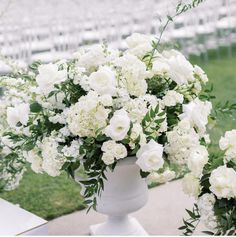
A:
x: 104, y: 105
x: 214, y: 188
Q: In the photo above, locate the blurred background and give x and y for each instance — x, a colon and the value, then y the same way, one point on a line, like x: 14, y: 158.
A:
x: 47, y: 30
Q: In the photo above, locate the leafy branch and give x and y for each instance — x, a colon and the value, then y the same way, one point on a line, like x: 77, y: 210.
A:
x: 192, y: 222
x: 180, y: 8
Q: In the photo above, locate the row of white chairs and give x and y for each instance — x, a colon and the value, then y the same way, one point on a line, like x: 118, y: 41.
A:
x: 50, y: 29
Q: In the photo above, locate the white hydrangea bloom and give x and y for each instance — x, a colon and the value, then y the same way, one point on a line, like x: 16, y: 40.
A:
x: 133, y: 73
x: 52, y: 159
x: 191, y: 185
x: 223, y: 182
x: 206, y: 209
x: 72, y: 150
x: 87, y: 116
x: 181, y: 141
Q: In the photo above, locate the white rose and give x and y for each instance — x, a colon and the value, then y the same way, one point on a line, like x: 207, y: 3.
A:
x: 197, y: 160
x: 181, y: 70
x: 108, y: 146
x: 119, y: 151
x: 119, y: 125
x: 172, y: 98
x: 197, y: 113
x: 48, y: 76
x: 103, y: 81
x: 108, y: 158
x: 223, y: 182
x: 139, y: 44
x: 191, y: 185
x: 19, y: 113
x: 150, y: 156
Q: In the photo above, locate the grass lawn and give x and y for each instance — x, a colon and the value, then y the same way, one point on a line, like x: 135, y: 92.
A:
x: 52, y: 197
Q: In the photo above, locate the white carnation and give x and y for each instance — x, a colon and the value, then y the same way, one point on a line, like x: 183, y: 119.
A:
x: 223, y: 182
x: 150, y: 156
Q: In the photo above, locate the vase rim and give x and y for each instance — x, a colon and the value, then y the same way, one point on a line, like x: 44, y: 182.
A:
x: 130, y: 160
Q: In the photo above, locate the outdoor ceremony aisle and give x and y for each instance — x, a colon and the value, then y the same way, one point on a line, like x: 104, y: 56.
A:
x: 161, y: 216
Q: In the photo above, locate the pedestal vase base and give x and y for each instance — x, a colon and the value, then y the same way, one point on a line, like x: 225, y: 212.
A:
x: 118, y: 226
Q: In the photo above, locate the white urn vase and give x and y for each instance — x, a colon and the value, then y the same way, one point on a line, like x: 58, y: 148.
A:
x: 125, y: 191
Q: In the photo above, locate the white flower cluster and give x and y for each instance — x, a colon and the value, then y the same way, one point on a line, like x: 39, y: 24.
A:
x: 182, y: 140
x: 227, y: 143
x: 117, y: 103
x: 206, y: 209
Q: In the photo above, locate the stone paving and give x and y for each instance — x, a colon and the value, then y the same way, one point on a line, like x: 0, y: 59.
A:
x: 162, y: 215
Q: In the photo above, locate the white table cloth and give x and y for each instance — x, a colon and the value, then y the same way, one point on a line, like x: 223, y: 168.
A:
x: 17, y: 221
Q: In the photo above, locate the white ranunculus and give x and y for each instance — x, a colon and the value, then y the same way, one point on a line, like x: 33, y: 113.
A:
x: 181, y: 70
x: 172, y: 98
x: 19, y: 113
x: 103, y: 81
x: 197, y: 113
x: 108, y: 146
x: 150, y: 156
x: 119, y: 125
x: 48, y: 76
x: 223, y: 182
x: 191, y: 185
x: 197, y: 160
x: 108, y: 158
x: 139, y: 44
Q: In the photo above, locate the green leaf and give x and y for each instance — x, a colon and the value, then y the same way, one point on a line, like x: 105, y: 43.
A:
x: 35, y: 107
